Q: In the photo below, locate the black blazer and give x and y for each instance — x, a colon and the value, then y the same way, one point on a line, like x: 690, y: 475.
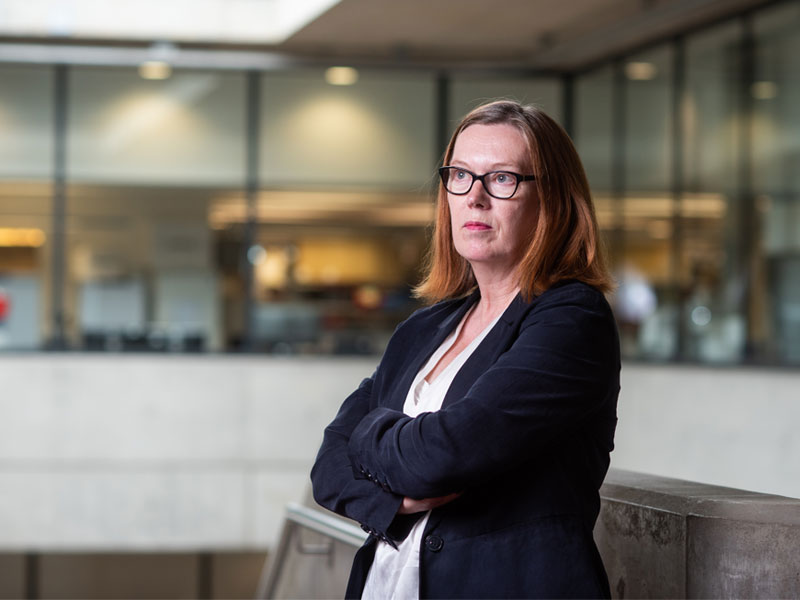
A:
x: 524, y: 432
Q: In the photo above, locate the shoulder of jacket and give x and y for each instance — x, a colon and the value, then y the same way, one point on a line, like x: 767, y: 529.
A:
x: 574, y: 290
x: 571, y: 295
x: 432, y: 315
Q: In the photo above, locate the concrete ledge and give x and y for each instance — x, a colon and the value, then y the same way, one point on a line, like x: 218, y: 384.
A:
x: 659, y: 538
x: 668, y: 538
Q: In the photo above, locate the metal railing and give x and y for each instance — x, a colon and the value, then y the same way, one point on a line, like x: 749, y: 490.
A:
x: 299, y: 517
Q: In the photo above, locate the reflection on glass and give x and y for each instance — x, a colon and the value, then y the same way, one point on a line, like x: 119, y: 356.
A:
x: 188, y: 129
x: 143, y: 270
x: 332, y: 270
x: 146, y: 159
x: 335, y: 291
x: 468, y: 92
x: 24, y: 259
x: 712, y: 325
x: 376, y: 133
x: 648, y: 208
x: 594, y: 135
x: 26, y: 166
x: 26, y: 122
x: 776, y: 153
x: 161, y: 241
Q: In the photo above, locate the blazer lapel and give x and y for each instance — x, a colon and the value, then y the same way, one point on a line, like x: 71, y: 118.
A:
x: 497, y: 341
x: 429, y: 342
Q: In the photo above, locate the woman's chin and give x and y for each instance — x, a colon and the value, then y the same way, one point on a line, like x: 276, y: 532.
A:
x: 480, y: 253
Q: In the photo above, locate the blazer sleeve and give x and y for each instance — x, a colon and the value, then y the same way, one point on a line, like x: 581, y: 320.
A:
x: 561, y: 369
x: 334, y: 483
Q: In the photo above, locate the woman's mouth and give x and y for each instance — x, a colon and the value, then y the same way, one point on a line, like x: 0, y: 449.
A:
x: 476, y: 226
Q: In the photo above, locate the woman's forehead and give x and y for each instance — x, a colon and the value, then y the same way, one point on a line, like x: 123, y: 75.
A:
x: 498, y: 143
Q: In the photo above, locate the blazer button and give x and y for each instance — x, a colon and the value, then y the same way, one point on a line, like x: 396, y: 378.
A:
x: 434, y: 543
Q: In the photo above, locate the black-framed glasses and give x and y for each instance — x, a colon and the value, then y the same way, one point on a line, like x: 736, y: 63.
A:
x: 498, y: 184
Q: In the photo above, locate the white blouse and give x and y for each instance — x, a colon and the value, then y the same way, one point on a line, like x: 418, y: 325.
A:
x: 394, y: 574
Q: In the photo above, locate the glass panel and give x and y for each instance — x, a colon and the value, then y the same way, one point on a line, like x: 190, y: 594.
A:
x: 345, y: 173
x: 333, y: 270
x: 25, y: 259
x: 712, y: 326
x: 26, y: 122
x: 468, y: 92
x: 776, y: 97
x: 144, y: 270
x: 594, y: 139
x: 648, y: 315
x: 377, y: 132
x: 188, y: 129
x: 227, y: 215
x: 339, y: 291
x: 26, y: 163
x: 593, y: 129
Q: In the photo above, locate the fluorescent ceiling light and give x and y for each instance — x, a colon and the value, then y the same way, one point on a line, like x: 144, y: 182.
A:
x: 238, y: 21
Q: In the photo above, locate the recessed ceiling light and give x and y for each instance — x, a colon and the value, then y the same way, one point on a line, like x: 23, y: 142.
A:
x: 155, y: 69
x: 764, y: 90
x: 341, y: 75
x: 640, y: 71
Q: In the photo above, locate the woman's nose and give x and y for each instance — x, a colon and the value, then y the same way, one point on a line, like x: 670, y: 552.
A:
x: 477, y: 196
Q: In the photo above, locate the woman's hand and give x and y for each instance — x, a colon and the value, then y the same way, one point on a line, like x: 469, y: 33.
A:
x: 411, y: 506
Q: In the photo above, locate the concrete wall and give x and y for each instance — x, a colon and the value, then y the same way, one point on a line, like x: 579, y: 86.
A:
x: 734, y: 427
x: 118, y: 452
x: 667, y: 538
x: 142, y: 452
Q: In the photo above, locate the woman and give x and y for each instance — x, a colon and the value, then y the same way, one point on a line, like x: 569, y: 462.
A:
x: 474, y: 454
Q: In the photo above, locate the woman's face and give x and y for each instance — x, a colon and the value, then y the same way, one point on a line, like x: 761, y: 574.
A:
x: 489, y: 232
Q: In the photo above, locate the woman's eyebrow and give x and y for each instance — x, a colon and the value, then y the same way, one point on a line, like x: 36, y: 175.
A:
x: 500, y: 166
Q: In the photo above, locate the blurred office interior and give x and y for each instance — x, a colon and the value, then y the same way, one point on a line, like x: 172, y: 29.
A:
x: 229, y: 207
x: 199, y: 213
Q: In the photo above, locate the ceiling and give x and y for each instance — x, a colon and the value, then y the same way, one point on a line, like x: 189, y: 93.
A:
x: 545, y: 34
x: 528, y: 34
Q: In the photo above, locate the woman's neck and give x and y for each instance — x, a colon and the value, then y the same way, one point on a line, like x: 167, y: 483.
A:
x: 496, y: 294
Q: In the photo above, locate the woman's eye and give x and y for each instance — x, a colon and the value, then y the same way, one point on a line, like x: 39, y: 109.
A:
x: 461, y: 175
x: 504, y: 178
